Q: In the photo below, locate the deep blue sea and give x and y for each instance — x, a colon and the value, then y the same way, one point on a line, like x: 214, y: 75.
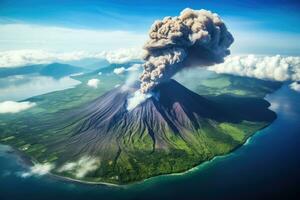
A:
x: 266, y: 167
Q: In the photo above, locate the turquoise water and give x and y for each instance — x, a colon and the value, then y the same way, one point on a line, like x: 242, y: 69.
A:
x: 267, y: 166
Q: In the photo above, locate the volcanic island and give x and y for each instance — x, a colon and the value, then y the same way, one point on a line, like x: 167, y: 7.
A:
x: 90, y: 135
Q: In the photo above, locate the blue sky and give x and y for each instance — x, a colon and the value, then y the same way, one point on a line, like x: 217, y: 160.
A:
x: 260, y: 27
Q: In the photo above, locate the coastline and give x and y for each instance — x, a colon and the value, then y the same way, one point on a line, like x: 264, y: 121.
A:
x: 29, y: 161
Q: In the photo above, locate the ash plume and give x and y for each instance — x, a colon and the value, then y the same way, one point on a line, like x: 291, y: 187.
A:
x: 194, y: 38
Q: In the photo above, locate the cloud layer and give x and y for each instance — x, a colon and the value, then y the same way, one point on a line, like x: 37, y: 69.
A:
x: 15, y: 107
x: 278, y: 68
x: 15, y: 58
x: 81, y: 167
x: 39, y: 170
x: 132, y: 68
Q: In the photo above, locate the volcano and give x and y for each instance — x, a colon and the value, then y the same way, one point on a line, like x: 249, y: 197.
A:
x: 178, y: 113
x: 172, y: 131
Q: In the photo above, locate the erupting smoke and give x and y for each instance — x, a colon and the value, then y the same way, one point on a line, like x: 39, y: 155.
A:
x: 195, y: 38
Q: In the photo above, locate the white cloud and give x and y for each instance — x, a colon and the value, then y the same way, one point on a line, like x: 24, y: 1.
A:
x: 277, y: 68
x: 132, y: 78
x: 122, y: 70
x: 68, y: 167
x: 81, y: 167
x: 38, y: 169
x: 134, y: 67
x: 123, y: 55
x: 14, y: 107
x: 119, y: 70
x: 295, y: 86
x: 136, y: 99
x: 16, y: 58
x: 93, y: 82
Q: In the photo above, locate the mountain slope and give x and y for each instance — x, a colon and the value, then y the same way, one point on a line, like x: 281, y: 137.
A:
x: 87, y: 134
x: 58, y: 70
x: 172, y: 131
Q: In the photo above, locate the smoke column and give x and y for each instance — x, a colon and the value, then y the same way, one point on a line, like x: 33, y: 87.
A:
x: 194, y: 38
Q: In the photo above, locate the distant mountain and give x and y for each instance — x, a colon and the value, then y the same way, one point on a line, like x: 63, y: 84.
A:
x: 90, y: 63
x: 56, y: 70
x: 11, y: 71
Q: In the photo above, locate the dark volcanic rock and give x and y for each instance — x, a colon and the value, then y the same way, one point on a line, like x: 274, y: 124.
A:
x: 174, y: 130
x: 172, y: 109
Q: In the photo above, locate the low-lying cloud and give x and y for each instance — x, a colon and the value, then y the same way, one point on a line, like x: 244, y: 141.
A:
x: 119, y: 70
x: 122, y: 55
x: 39, y: 170
x: 15, y: 107
x: 81, y: 167
x: 16, y: 58
x: 93, y: 82
x: 278, y: 68
x: 132, y: 68
x: 137, y: 98
x: 295, y: 86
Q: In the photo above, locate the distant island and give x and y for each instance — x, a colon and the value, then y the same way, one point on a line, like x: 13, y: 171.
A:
x: 86, y: 134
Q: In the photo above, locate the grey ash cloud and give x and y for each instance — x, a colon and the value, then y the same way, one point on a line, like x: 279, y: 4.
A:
x: 194, y: 38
